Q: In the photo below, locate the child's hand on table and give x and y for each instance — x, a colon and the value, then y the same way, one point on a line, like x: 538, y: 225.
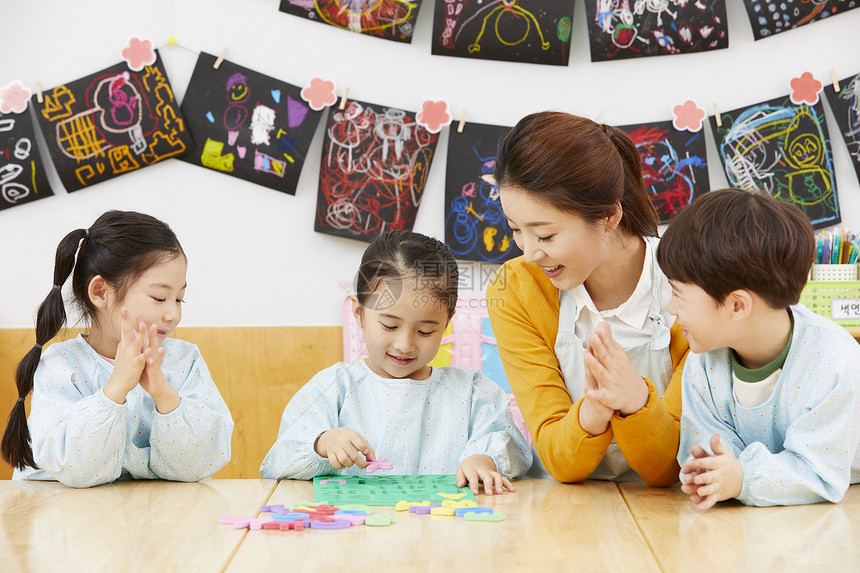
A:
x: 482, y: 469
x: 344, y: 448
x: 709, y: 478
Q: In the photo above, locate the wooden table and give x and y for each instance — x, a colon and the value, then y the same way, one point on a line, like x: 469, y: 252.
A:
x: 144, y: 525
x: 548, y: 526
x: 168, y: 526
x: 734, y: 537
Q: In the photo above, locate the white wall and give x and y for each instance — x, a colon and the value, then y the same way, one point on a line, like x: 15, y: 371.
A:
x: 254, y: 258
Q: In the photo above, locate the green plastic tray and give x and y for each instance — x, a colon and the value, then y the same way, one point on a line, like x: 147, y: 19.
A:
x: 387, y: 489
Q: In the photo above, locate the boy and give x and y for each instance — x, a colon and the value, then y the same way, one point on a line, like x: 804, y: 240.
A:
x: 770, y: 393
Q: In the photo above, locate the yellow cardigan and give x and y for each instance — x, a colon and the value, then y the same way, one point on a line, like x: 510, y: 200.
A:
x: 524, y: 309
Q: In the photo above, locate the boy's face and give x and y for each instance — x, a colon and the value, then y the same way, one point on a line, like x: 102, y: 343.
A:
x: 705, y: 321
x: 403, y: 327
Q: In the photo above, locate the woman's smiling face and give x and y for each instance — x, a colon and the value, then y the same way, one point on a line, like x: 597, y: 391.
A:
x: 563, y: 244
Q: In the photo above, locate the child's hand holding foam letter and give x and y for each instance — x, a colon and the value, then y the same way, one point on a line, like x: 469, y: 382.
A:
x: 344, y: 448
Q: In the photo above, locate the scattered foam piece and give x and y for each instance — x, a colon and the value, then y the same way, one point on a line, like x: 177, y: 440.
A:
x: 241, y: 523
x: 461, y: 511
x: 272, y: 524
x: 403, y: 505
x: 423, y: 509
x: 322, y: 518
x: 441, y: 510
x: 294, y: 525
x: 290, y: 516
x: 380, y: 464
x: 353, y: 519
x: 279, y: 508
x: 380, y: 520
x: 333, y: 524
x: 351, y: 512
x: 256, y: 524
x: 338, y: 481
x: 457, y: 504
x: 484, y: 516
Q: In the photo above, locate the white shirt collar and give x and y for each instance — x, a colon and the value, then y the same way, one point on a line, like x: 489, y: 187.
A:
x: 633, y: 311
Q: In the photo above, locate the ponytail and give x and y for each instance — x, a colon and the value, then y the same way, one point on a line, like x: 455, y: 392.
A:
x: 51, y: 316
x: 577, y: 166
x: 639, y: 215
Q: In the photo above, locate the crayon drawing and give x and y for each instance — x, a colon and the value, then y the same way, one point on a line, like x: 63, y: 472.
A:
x: 532, y: 31
x: 475, y: 226
x: 782, y: 149
x: 110, y: 123
x: 388, y: 19
x: 247, y: 125
x: 22, y: 173
x: 769, y: 17
x: 619, y: 29
x: 674, y: 165
x: 846, y: 108
x: 374, y: 167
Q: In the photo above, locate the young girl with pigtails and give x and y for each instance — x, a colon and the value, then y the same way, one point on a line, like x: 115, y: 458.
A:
x: 124, y: 400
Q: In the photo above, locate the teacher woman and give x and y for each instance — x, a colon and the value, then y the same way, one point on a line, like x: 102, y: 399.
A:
x: 590, y: 351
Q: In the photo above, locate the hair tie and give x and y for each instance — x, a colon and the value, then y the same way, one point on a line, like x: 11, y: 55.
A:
x: 20, y: 399
x: 86, y: 233
x: 39, y: 346
x: 57, y: 287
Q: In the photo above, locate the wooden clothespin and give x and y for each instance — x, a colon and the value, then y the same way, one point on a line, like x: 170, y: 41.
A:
x: 342, y: 105
x: 462, y: 120
x: 717, y: 116
x: 835, y: 80
x: 220, y: 59
x: 39, y: 97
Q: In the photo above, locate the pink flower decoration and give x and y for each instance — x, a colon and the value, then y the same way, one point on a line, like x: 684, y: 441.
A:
x: 14, y: 97
x: 319, y: 93
x: 138, y: 54
x: 688, y: 116
x: 433, y: 116
x: 805, y: 89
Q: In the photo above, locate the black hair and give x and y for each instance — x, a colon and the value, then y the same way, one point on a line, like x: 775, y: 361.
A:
x: 732, y: 239
x: 120, y: 246
x: 577, y: 166
x: 402, y: 255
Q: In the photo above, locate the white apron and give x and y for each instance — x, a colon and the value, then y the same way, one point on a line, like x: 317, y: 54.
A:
x: 651, y: 360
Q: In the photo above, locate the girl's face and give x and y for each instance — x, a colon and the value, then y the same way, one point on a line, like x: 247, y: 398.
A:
x: 403, y: 327
x: 156, y: 296
x: 563, y: 244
